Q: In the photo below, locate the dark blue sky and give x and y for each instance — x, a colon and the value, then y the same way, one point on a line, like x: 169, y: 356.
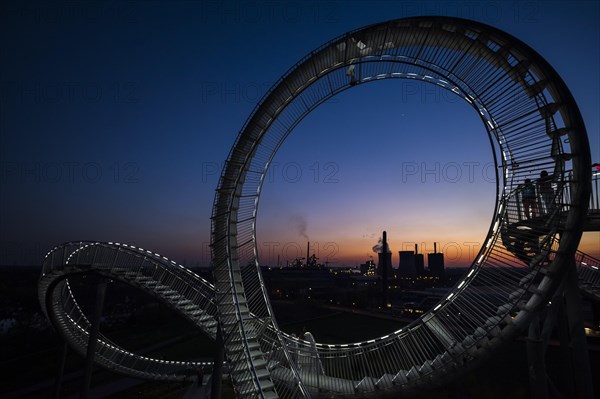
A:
x: 116, y: 118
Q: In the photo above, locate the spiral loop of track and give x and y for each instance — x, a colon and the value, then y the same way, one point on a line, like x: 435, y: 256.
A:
x: 533, y: 124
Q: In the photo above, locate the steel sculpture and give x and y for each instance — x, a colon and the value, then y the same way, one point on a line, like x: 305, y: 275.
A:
x: 533, y: 124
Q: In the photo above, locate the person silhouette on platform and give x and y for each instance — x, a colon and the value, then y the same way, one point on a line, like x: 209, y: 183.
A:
x: 546, y: 191
x: 528, y: 197
x: 200, y: 376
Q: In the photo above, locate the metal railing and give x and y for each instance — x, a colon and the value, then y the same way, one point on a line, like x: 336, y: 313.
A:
x: 172, y: 284
x: 588, y: 272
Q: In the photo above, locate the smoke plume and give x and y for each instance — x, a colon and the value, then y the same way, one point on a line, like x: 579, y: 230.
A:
x: 299, y: 224
x: 378, y: 248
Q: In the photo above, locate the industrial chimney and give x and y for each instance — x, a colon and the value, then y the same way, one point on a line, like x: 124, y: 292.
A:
x: 384, y: 271
x: 436, y: 262
x: 307, y: 252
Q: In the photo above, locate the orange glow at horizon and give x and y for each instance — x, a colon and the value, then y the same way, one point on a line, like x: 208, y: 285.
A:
x: 590, y: 244
x: 459, y: 250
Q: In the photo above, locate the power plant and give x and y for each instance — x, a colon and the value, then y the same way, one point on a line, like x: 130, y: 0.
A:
x: 412, y: 264
x: 435, y: 262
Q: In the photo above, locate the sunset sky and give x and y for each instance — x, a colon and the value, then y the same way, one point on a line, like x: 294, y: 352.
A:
x: 116, y: 118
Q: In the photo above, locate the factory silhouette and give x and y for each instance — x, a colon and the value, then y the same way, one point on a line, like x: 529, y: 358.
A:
x: 411, y: 264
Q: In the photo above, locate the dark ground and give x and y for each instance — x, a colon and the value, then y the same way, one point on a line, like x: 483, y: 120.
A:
x: 30, y: 352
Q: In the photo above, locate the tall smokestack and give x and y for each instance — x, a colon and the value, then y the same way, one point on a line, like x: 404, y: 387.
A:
x: 416, y: 249
x: 384, y: 270
x: 435, y: 247
x: 307, y: 252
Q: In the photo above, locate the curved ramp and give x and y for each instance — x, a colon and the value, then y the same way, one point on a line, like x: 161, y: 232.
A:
x: 172, y: 284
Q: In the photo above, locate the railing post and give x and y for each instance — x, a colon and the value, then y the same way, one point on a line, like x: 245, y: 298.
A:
x: 582, y: 374
x: 93, y: 338
x: 595, y: 197
x: 61, y: 371
x: 217, y: 374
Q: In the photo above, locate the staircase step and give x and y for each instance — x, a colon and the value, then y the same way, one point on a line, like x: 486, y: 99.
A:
x: 400, y: 377
x: 503, y: 309
x: 260, y: 373
x: 367, y: 384
x: 468, y: 341
x: 412, y: 374
x: 438, y: 362
x: 527, y: 278
x: 270, y: 395
x: 516, y: 294
x: 479, y: 333
x: 242, y: 366
x: 425, y: 367
x: 386, y: 381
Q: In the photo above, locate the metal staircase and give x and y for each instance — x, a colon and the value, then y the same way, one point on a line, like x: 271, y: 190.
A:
x: 173, y: 285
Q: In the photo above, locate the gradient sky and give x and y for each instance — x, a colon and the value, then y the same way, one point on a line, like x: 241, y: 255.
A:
x: 115, y: 120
